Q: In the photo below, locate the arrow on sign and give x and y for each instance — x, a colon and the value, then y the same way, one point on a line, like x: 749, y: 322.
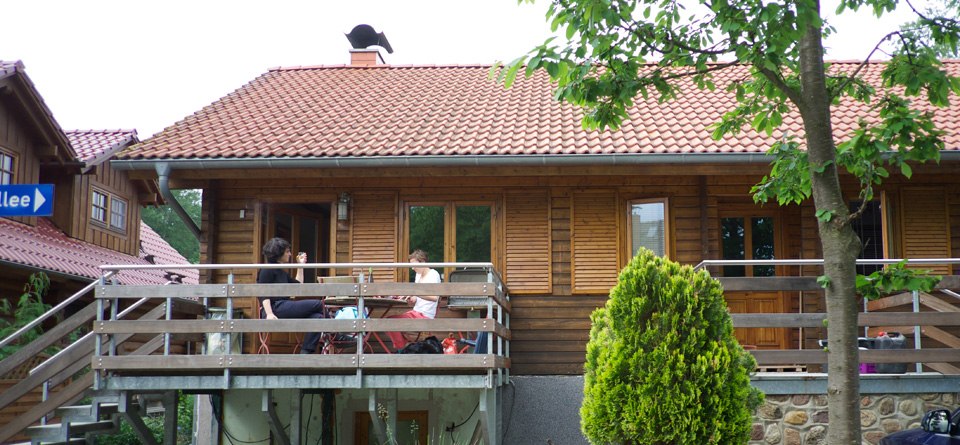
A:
x: 38, y: 200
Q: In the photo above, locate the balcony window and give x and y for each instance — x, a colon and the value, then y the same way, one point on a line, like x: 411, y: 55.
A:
x: 748, y: 238
x: 869, y: 228
x: 451, y: 232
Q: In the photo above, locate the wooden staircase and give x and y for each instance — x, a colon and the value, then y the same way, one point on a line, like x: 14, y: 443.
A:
x: 67, y: 378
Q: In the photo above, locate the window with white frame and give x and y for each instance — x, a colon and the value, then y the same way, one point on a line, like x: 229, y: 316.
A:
x: 647, y: 226
x: 98, y: 211
x: 109, y: 210
x: 118, y: 213
x: 6, y: 168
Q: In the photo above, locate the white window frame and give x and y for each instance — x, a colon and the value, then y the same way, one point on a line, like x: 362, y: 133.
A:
x: 121, y: 217
x: 665, y: 203
x: 102, y: 213
x: 99, y: 207
x: 7, y: 176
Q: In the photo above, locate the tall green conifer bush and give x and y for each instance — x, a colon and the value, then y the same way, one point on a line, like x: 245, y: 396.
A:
x: 663, y: 366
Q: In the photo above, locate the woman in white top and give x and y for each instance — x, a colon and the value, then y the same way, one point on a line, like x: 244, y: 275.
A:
x: 423, y: 306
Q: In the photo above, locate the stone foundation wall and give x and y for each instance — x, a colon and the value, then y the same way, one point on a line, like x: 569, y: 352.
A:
x: 802, y: 419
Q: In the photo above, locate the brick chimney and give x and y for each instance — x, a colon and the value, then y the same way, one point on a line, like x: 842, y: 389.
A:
x: 362, y: 38
x: 365, y: 57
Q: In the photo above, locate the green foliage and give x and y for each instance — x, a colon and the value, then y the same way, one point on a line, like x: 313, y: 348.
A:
x: 618, y: 50
x: 895, y: 278
x: 171, y: 228
x: 29, y: 307
x: 663, y: 365
x: 127, y: 436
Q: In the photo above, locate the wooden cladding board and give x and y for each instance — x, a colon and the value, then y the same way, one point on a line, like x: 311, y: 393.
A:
x: 527, y: 239
x: 926, y: 226
x: 593, y: 233
x: 374, y: 234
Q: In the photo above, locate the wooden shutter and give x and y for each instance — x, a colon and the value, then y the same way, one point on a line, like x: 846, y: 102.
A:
x: 527, y: 237
x: 925, y: 225
x: 593, y: 239
x: 373, y: 235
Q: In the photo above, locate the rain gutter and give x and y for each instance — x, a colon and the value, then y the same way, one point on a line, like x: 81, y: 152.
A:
x: 442, y: 161
x: 163, y: 175
x: 456, y: 161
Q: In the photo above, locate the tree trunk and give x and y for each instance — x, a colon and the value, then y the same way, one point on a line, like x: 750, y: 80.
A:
x: 839, y: 243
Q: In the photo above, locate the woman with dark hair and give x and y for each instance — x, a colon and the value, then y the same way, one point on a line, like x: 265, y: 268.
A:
x: 276, y: 251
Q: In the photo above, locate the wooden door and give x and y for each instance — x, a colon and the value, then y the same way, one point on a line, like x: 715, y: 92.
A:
x: 750, y: 234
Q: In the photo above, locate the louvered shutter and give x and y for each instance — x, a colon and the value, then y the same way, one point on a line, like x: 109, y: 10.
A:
x: 925, y: 226
x: 593, y: 239
x: 373, y: 236
x: 527, y: 237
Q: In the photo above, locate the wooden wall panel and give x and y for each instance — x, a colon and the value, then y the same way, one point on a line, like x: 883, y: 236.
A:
x: 116, y: 183
x: 925, y: 226
x: 374, y: 236
x: 16, y: 139
x: 594, y: 242
x: 527, y: 241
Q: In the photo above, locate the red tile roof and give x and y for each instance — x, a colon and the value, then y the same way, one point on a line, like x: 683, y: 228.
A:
x: 45, y: 247
x: 93, y: 146
x: 156, y: 250
x: 343, y: 111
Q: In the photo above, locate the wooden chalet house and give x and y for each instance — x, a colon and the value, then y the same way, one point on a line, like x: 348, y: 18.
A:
x: 359, y: 164
x: 95, y: 221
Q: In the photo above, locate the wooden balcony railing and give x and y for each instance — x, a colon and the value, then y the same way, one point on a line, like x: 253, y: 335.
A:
x: 495, y: 322
x: 930, y: 321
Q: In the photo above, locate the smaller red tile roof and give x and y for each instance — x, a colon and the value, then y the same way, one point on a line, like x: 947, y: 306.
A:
x: 156, y: 250
x: 47, y: 248
x: 94, y: 146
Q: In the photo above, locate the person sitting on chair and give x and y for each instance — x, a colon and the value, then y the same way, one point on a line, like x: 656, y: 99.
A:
x: 423, y: 306
x: 275, y: 251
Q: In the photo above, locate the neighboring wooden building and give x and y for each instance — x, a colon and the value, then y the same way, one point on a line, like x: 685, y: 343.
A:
x: 96, y: 216
x: 442, y: 158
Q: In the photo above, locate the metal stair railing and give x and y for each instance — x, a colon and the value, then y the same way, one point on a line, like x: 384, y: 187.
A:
x: 61, y: 367
x: 52, y: 312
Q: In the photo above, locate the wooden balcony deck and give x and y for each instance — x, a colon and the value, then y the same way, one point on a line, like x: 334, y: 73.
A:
x: 193, y: 369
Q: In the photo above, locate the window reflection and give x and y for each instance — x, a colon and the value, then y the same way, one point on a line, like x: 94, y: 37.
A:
x: 731, y: 236
x: 740, y: 241
x: 473, y: 233
x: 648, y: 227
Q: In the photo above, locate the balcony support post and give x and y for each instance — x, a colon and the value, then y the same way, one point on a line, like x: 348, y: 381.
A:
x: 170, y: 399
x: 296, y: 417
x: 916, y: 329
x: 276, y: 426
x: 383, y: 413
x: 489, y: 417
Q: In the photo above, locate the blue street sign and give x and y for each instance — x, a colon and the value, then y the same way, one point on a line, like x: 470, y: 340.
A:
x: 26, y: 200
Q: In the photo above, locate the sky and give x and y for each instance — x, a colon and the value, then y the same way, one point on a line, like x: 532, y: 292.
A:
x: 144, y: 65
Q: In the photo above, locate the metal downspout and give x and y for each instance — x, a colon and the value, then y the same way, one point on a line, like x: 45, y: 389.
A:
x: 163, y: 174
